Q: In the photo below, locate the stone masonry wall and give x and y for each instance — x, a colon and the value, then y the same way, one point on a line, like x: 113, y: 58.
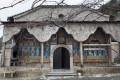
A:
x: 25, y: 72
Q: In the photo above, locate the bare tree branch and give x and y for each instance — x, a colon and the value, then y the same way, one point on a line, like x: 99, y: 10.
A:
x: 12, y: 4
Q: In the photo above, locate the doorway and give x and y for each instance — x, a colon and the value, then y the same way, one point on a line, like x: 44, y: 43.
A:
x: 61, y: 58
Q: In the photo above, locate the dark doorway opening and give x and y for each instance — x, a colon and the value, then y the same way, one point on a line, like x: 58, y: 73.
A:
x: 61, y: 58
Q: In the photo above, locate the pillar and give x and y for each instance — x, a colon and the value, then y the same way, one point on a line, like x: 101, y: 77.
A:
x: 42, y: 53
x: 3, y: 54
x: 81, y: 53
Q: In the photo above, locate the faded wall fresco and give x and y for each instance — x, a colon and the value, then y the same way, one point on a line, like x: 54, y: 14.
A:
x: 29, y: 47
x: 46, y: 50
x: 76, y: 50
x: 96, y: 52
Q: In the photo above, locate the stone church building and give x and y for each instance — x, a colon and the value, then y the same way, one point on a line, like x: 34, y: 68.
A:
x: 63, y: 37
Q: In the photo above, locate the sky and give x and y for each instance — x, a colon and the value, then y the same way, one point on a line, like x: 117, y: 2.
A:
x: 23, y: 7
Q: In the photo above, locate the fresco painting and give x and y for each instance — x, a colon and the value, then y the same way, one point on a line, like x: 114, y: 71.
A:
x: 76, y: 50
x: 53, y: 39
x: 61, y: 37
x: 29, y: 47
x: 69, y: 39
x: 47, y: 50
x: 95, y: 52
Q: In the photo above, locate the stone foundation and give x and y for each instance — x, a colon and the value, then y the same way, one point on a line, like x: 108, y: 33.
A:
x: 25, y: 72
x: 22, y: 72
x: 99, y: 70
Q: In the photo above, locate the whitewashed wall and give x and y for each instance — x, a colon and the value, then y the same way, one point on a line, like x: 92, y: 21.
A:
x: 114, y: 51
x: 8, y: 53
x: 44, y: 13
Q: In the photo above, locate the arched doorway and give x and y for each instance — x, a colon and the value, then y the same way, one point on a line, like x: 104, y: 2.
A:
x: 61, y: 58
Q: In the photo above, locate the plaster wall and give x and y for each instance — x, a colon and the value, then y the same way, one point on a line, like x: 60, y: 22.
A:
x: 70, y: 13
x: 7, y: 61
x: 114, y: 51
x: 79, y: 31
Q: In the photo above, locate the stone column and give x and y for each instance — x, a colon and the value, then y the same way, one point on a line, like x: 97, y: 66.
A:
x: 81, y: 53
x: 3, y: 54
x: 42, y: 53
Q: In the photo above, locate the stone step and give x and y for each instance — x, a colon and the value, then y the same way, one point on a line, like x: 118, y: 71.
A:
x: 61, y: 72
x: 60, y: 75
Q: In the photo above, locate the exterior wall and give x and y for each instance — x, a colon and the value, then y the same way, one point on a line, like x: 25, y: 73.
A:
x: 114, y: 51
x: 43, y: 14
x: 25, y: 72
x: 79, y: 31
x: 99, y: 70
x: 41, y: 72
x: 7, y: 61
x: 70, y: 30
x: 117, y: 17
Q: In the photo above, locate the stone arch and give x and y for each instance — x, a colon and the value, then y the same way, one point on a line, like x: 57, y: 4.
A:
x: 64, y: 46
x: 58, y: 46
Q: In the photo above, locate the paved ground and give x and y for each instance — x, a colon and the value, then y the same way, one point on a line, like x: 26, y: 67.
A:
x: 88, y: 77
x: 93, y: 78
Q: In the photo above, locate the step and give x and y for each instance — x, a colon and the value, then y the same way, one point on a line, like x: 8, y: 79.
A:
x: 64, y: 74
x: 61, y: 72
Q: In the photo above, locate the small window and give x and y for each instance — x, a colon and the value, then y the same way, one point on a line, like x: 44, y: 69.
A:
x: 61, y: 16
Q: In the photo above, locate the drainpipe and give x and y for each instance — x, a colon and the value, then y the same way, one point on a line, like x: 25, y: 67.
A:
x: 81, y: 53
